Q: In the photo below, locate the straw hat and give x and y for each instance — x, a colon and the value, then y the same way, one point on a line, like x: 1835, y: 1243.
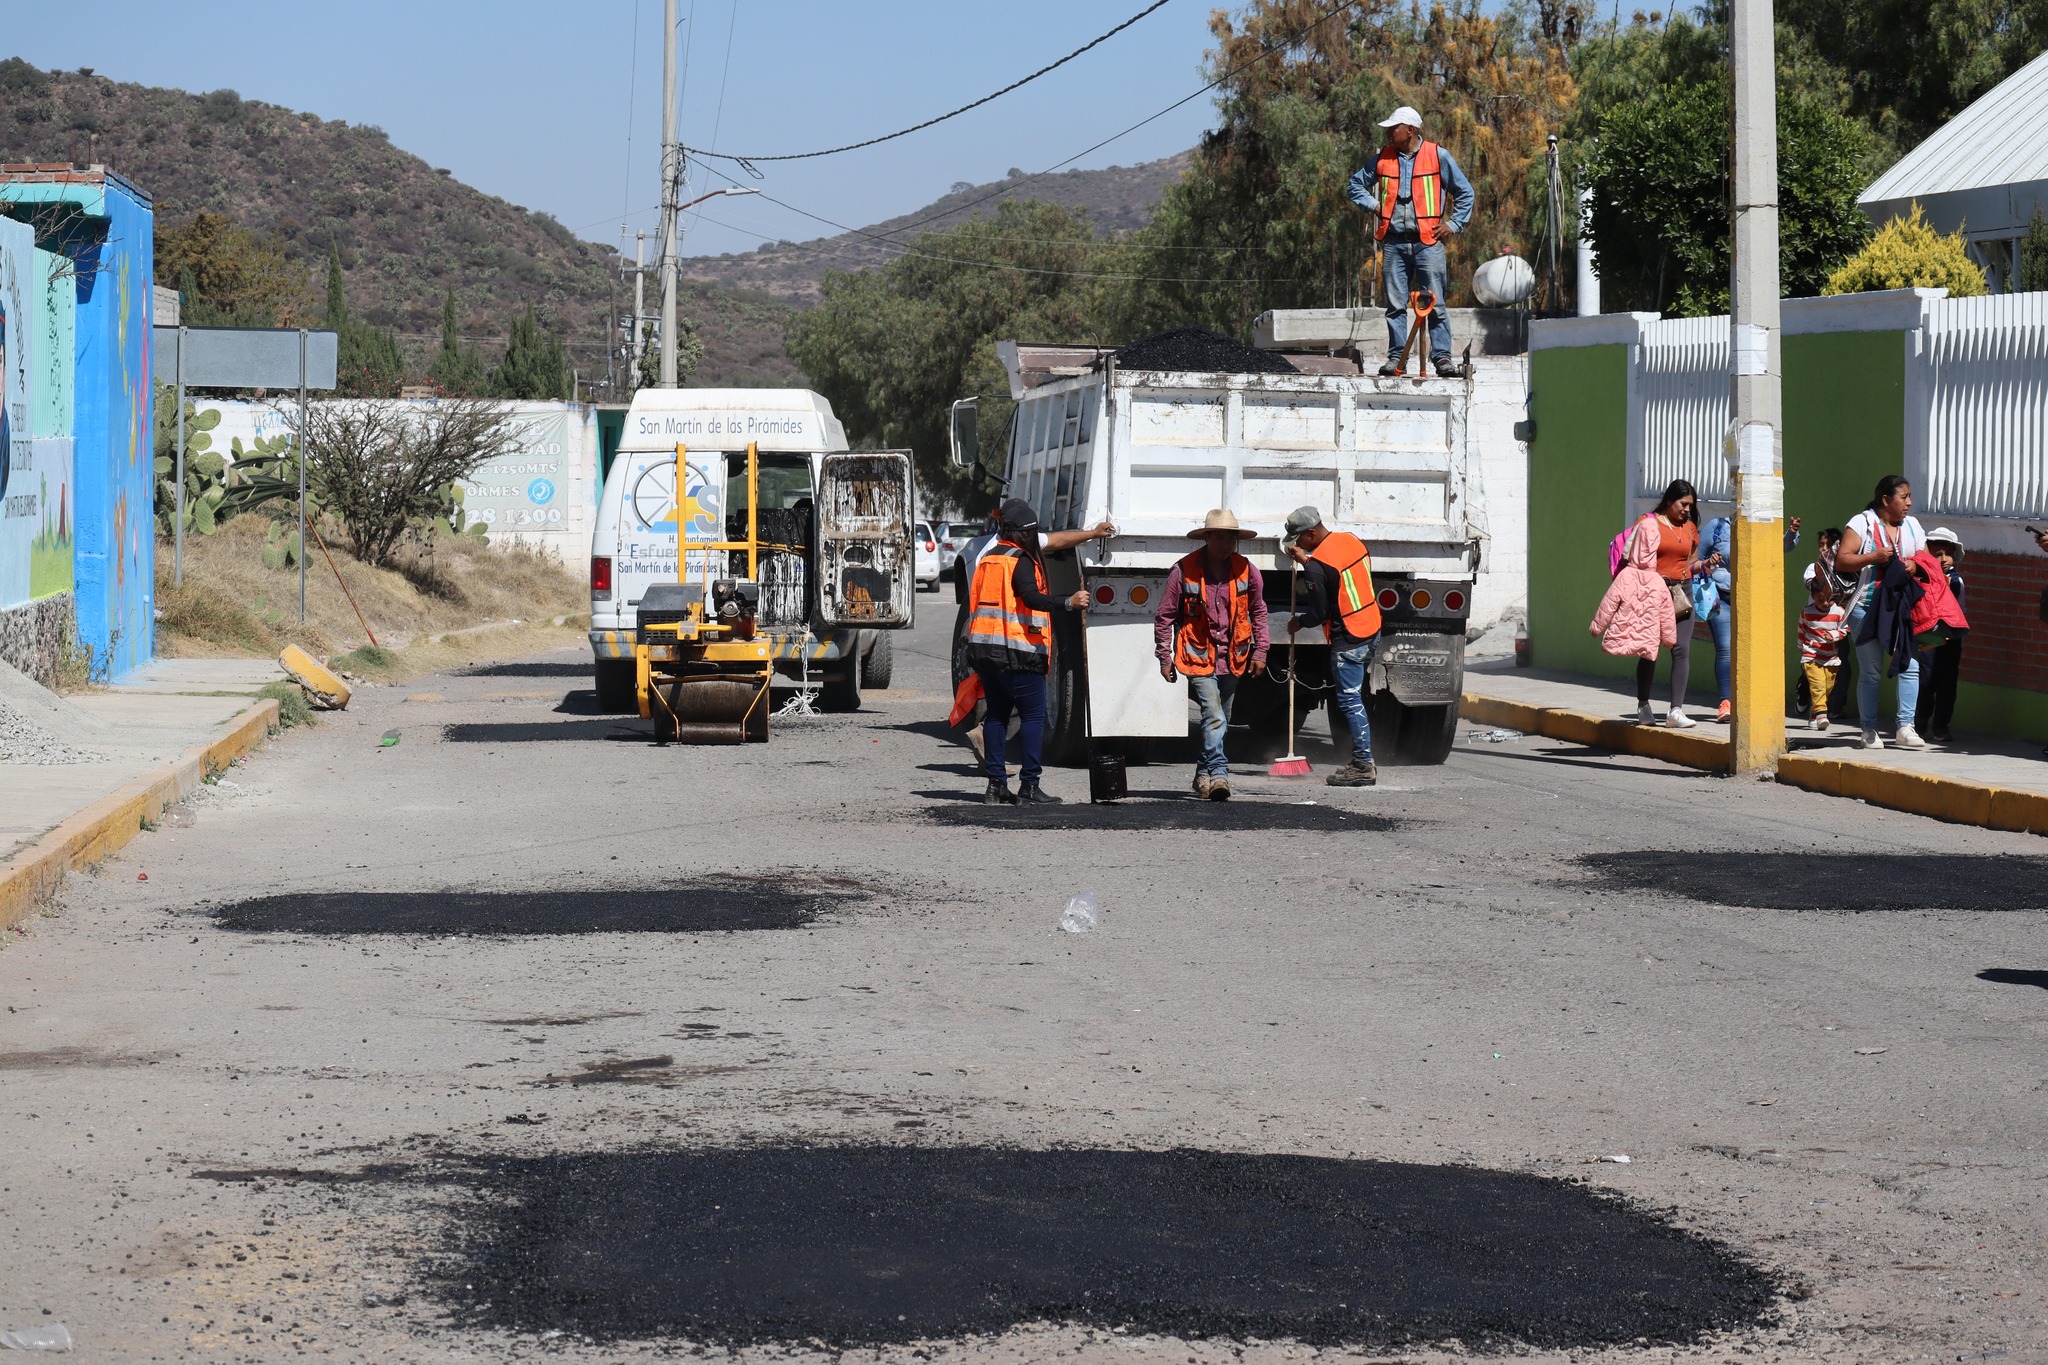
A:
x: 1221, y: 520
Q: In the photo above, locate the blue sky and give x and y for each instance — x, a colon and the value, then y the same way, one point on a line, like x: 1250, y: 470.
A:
x: 530, y: 100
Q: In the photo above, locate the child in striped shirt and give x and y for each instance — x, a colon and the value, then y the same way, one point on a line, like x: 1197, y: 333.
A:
x: 1822, y: 628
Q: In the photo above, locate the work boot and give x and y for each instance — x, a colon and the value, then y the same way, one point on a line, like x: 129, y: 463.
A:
x: 1390, y: 369
x: 1201, y: 786
x: 1446, y: 369
x: 1354, y: 774
x: 998, y: 793
x: 1219, y: 789
x: 1031, y: 794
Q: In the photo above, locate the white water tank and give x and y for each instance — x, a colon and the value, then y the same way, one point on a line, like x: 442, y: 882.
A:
x: 1503, y: 282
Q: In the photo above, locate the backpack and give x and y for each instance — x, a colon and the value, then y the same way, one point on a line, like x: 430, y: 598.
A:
x: 1617, y: 549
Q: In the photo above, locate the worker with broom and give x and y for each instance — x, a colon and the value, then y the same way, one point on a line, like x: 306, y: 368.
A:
x: 1340, y: 600
x: 1211, y: 628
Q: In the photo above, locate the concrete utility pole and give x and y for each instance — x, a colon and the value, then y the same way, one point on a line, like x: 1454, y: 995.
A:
x: 638, y: 345
x: 1757, y: 409
x: 671, y: 188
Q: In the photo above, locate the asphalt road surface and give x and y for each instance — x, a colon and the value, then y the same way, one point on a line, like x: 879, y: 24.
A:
x: 527, y: 1038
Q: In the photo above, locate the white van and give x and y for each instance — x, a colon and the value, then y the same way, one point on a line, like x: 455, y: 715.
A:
x: 802, y: 448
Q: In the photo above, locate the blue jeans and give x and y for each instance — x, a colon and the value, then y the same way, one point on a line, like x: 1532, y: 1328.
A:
x: 1871, y: 661
x: 1348, y: 665
x: 1021, y: 695
x: 1411, y: 265
x: 1722, y: 624
x: 1213, y: 694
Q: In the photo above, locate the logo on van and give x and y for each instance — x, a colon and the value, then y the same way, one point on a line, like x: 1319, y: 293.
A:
x: 654, y: 502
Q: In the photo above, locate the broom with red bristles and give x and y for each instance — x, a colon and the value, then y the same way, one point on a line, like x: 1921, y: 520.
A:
x: 1293, y: 765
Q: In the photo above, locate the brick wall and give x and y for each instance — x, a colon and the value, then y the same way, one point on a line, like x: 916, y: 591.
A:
x: 2008, y: 644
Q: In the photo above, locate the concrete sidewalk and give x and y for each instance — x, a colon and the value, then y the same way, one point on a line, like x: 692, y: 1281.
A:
x: 1977, y: 780
x: 80, y: 774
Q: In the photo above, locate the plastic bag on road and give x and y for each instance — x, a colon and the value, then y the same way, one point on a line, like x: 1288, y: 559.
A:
x: 1081, y: 914
x: 54, y: 1337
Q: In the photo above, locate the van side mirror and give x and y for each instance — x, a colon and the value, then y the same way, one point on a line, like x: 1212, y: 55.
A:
x: 965, y: 433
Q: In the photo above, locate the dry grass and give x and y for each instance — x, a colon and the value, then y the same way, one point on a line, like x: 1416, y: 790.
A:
x: 232, y: 605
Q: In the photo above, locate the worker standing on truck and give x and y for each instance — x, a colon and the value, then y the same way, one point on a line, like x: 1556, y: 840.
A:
x: 1009, y: 644
x: 1342, y: 602
x: 1407, y: 189
x: 1211, y: 628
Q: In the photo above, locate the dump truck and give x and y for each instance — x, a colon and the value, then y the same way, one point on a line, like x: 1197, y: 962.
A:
x: 1152, y: 437
x: 740, y: 547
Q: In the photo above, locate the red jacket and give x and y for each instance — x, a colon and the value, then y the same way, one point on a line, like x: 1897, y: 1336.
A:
x: 1937, y: 606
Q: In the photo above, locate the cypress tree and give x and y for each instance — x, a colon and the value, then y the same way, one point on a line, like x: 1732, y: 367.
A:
x: 456, y: 367
x: 534, y: 366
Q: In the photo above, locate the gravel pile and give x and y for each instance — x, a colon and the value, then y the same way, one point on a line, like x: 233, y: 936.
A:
x: 1198, y: 348
x: 23, y: 741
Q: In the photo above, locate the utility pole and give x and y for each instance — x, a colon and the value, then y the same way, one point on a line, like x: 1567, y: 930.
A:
x: 671, y: 187
x: 1757, y: 407
x: 638, y: 345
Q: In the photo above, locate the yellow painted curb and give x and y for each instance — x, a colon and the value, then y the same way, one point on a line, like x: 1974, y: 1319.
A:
x: 1576, y: 727
x: 1942, y: 798
x: 34, y: 874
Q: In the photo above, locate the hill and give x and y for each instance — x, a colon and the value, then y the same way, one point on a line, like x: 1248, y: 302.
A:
x: 408, y: 231
x: 1117, y: 199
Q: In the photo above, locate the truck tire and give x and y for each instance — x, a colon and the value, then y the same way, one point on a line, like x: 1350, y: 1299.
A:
x: 1427, y: 733
x: 841, y: 694
x: 617, y: 684
x: 878, y: 665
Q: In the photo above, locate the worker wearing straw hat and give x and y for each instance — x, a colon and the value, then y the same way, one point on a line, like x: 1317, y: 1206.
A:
x: 1211, y: 629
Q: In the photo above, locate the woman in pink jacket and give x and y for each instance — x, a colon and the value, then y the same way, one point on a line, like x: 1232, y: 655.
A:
x: 1636, y: 618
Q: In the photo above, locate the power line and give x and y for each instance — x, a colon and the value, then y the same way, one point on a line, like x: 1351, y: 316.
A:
x: 732, y: 20
x: 920, y: 127
x: 632, y: 85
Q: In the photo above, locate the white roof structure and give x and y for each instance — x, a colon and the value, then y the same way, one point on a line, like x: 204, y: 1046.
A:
x: 1984, y: 172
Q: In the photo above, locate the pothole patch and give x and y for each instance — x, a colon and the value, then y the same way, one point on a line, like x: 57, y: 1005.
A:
x: 1828, y: 881
x: 710, y: 905
x: 546, y: 731
x: 869, y: 1246
x: 1144, y: 815
x: 530, y: 668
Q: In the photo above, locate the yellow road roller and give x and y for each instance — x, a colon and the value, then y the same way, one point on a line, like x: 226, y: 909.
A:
x: 707, y: 648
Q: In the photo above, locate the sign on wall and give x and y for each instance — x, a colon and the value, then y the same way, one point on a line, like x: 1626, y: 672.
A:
x: 36, y: 504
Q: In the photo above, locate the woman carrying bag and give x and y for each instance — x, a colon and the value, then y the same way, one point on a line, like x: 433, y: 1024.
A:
x: 1675, y: 527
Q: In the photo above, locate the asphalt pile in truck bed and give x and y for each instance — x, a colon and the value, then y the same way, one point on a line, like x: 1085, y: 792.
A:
x: 1198, y: 348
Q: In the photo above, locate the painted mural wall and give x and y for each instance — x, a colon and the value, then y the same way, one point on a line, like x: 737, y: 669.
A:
x: 36, y: 498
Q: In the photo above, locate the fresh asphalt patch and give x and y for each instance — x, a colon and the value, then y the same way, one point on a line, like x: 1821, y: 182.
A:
x: 531, y: 668
x: 544, y: 731
x: 1143, y: 815
x: 868, y: 1246
x: 711, y: 905
x: 1828, y: 881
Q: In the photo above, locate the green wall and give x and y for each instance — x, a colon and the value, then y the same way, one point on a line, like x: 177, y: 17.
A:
x: 1577, y: 475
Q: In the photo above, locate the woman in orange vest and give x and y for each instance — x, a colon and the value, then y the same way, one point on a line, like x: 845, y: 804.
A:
x: 1342, y: 602
x: 1417, y: 194
x: 1211, y: 628
x: 1009, y: 643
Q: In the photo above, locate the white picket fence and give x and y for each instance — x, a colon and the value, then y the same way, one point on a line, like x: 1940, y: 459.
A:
x: 1985, y: 401
x: 1678, y: 410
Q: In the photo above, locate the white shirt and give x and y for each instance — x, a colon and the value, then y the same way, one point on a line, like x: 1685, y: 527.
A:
x: 1906, y: 540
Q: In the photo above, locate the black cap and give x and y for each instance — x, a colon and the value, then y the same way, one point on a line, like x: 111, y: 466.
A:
x: 1017, y: 515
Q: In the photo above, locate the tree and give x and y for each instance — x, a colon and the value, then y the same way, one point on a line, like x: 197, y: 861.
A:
x: 534, y: 366
x: 689, y: 352
x: 893, y: 347
x: 1262, y: 220
x: 2033, y: 273
x: 389, y: 471
x: 370, y: 364
x: 230, y: 276
x: 456, y: 368
x: 1660, y: 175
x: 1907, y: 254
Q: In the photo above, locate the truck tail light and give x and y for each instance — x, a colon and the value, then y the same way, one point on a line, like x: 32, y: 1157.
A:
x: 1105, y: 594
x: 601, y: 577
x: 1389, y: 599
x: 1454, y: 600
x: 1140, y: 595
x: 1420, y: 599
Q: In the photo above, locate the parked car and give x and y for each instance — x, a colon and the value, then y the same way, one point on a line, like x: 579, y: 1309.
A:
x: 927, y: 568
x: 953, y: 538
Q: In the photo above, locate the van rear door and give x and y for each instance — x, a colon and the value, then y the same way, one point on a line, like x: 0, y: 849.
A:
x: 866, y: 555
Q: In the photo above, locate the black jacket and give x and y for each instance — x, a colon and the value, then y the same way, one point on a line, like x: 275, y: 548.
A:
x: 1888, y: 619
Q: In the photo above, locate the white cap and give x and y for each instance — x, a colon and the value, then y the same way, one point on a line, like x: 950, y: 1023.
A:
x: 1943, y: 534
x: 1403, y: 115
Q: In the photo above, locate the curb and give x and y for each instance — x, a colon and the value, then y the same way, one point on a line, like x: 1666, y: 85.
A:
x: 1953, y: 799
x: 34, y: 874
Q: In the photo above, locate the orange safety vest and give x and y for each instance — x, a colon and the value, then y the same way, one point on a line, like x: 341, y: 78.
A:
x: 1425, y: 187
x: 1002, y: 632
x: 1356, y: 605
x: 1194, y: 652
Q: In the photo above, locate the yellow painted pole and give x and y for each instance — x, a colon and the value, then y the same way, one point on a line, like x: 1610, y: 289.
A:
x: 753, y: 508
x: 682, y: 487
x: 1759, y: 621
